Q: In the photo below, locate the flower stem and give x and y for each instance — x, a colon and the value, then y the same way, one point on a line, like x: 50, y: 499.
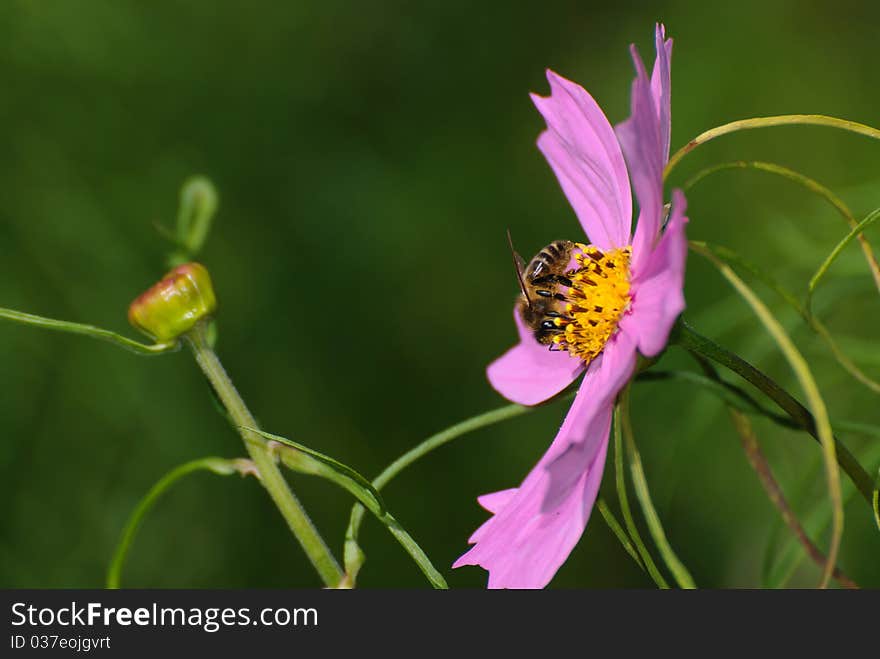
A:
x: 620, y: 485
x: 289, y: 506
x: 618, y: 531
x: 688, y: 338
x: 766, y: 122
x: 86, y: 330
x: 682, y: 576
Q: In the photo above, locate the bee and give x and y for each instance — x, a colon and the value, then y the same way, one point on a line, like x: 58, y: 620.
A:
x: 540, y: 302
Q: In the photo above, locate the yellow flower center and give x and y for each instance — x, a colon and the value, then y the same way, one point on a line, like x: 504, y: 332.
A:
x: 595, y: 302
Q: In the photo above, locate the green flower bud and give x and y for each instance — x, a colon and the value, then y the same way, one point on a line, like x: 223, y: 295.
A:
x: 174, y: 305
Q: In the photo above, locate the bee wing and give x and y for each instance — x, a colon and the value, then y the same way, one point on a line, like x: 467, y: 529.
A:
x: 519, y: 264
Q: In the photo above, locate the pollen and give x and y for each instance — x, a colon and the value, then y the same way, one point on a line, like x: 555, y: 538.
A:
x: 596, y: 301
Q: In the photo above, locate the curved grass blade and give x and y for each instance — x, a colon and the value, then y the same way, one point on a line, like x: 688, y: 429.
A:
x: 308, y: 461
x: 767, y: 122
x: 783, y: 556
x: 856, y: 232
x: 220, y: 466
x: 682, y: 576
x: 732, y: 258
x: 814, y: 399
x: 809, y: 184
x: 761, y: 467
x: 87, y: 330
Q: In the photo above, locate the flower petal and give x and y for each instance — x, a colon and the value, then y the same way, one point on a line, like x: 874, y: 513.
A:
x: 640, y: 137
x: 497, y: 500
x: 661, y: 87
x: 658, y: 290
x: 532, y: 533
x: 583, y: 151
x: 529, y: 373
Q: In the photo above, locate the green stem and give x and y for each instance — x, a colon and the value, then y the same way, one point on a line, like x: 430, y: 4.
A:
x: 620, y: 486
x: 86, y: 330
x: 691, y: 340
x: 219, y: 466
x: 304, y: 460
x: 766, y: 122
x: 618, y: 531
x: 289, y: 506
x: 640, y: 483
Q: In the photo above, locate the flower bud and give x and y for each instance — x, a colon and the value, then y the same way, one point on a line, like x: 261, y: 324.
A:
x: 174, y: 305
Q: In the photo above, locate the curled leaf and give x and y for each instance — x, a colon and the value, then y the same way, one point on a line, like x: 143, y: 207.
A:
x: 308, y: 461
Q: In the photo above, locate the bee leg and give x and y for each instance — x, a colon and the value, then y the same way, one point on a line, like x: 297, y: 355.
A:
x: 552, y: 279
x: 562, y: 279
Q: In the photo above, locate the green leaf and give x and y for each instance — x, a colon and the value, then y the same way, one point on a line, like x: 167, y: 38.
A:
x: 308, y: 461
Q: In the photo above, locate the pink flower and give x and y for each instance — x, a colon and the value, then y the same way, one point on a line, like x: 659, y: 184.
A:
x: 534, y: 527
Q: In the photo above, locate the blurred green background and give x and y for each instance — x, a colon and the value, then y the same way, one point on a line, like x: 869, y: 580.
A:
x: 369, y: 161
